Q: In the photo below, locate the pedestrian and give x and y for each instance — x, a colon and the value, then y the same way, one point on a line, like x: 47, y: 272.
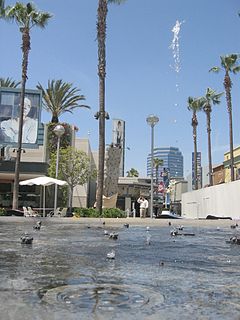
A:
x: 143, y: 206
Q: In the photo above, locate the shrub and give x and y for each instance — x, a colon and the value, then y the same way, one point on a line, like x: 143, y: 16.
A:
x: 3, y: 212
x: 113, y: 213
x: 85, y: 212
x: 93, y: 213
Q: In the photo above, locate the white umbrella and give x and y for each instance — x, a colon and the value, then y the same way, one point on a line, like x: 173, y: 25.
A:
x: 43, y: 181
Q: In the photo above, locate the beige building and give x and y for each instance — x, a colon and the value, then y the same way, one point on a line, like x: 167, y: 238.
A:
x: 226, y: 163
x: 218, y: 174
x: 34, y: 163
x: 129, y: 190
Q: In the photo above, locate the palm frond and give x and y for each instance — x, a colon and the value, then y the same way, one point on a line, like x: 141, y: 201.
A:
x: 228, y: 62
x: 116, y: 1
x: 9, y: 83
x: 211, y: 96
x: 215, y: 69
x: 61, y: 97
x: 157, y: 162
x: 2, y: 8
x: 236, y: 69
x: 194, y: 104
x: 26, y: 15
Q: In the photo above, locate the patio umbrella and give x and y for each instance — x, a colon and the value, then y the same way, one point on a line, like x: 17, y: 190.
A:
x: 43, y: 181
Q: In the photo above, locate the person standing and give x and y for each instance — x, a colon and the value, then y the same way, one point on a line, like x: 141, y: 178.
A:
x: 143, y: 206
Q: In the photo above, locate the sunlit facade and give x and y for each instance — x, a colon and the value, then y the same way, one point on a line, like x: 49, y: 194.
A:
x: 172, y: 162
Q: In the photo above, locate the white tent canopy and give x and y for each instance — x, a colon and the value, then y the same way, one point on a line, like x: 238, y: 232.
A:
x: 43, y: 181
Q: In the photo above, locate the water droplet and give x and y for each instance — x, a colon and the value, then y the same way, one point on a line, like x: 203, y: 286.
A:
x: 175, y: 45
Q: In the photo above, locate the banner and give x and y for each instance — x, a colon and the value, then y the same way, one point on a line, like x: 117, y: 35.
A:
x: 10, y: 112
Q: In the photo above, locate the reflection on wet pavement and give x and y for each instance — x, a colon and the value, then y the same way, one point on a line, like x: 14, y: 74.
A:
x: 65, y: 273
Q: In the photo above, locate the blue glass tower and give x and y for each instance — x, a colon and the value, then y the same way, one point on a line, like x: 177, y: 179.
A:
x: 172, y: 163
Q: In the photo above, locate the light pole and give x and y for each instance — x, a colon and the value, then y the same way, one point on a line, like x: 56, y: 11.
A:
x: 152, y: 121
x: 59, y: 131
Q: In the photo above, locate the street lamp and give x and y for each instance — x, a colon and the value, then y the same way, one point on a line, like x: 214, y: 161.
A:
x: 152, y: 121
x: 59, y: 131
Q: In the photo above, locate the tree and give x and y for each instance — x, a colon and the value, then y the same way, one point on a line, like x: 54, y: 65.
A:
x: 2, y: 6
x: 194, y: 105
x: 9, y: 83
x: 60, y: 97
x: 26, y: 17
x: 229, y: 64
x: 74, y: 168
x: 102, y: 115
x: 211, y: 97
x: 132, y: 173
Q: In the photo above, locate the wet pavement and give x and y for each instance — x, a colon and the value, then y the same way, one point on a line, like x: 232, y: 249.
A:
x: 65, y: 273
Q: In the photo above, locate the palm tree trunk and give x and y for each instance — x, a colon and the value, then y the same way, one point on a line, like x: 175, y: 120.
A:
x: 194, y: 125
x: 228, y: 85
x: 209, y: 149
x: 195, y: 159
x: 101, y: 35
x: 25, y: 49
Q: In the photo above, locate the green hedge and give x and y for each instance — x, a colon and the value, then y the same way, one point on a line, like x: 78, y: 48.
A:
x: 93, y: 213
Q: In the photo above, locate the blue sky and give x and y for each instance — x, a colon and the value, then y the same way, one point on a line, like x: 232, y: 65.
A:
x: 140, y: 80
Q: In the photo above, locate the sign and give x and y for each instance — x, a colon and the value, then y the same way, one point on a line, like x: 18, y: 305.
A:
x: 161, y: 187
x: 10, y: 112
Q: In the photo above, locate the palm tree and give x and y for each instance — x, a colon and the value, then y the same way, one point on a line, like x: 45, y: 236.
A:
x: 132, y: 173
x: 9, y: 83
x: 229, y: 64
x: 60, y: 97
x: 194, y: 105
x: 102, y: 115
x: 211, y: 97
x: 26, y: 17
x: 2, y: 5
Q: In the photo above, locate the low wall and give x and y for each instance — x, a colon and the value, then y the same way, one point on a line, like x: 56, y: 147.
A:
x: 222, y: 200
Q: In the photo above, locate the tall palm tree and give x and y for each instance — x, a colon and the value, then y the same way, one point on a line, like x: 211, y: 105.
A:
x: 194, y: 105
x: 102, y: 115
x: 9, y: 83
x: 229, y: 63
x: 60, y: 97
x: 26, y: 17
x: 211, y: 97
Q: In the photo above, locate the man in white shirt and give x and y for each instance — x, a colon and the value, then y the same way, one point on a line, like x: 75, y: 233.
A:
x: 143, y: 206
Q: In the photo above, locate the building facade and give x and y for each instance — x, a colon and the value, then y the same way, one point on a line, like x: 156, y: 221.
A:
x: 34, y: 163
x: 129, y: 190
x: 172, y: 163
x: 226, y: 163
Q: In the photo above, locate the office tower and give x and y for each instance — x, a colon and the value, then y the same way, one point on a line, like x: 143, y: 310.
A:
x: 172, y: 163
